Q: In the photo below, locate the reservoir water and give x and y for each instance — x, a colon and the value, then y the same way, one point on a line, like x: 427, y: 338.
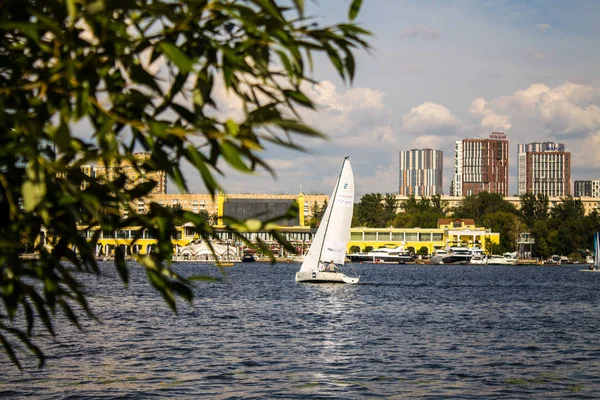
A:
x: 405, y: 331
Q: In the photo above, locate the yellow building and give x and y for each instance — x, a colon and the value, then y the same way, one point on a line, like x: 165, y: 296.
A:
x: 196, y: 202
x: 450, y: 232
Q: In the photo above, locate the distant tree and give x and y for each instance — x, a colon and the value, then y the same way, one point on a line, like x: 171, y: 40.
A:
x: 477, y: 206
x: 317, y: 214
x: 533, y: 208
x: 354, y: 249
x: 390, y: 204
x: 369, y: 211
x: 508, y: 225
x: 423, y: 251
x: 423, y: 213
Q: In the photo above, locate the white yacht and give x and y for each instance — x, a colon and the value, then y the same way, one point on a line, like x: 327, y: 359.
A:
x: 454, y: 255
x: 395, y: 255
x: 479, y: 259
x: 505, y: 259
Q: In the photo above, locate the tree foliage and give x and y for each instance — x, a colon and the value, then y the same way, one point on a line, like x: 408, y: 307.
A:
x: 478, y: 206
x: 84, y: 81
x: 423, y: 213
x: 369, y: 210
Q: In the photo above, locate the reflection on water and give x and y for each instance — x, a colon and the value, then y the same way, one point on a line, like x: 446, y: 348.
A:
x: 404, y: 331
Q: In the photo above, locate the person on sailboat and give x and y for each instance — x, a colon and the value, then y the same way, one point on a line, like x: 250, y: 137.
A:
x: 592, y: 267
x: 332, y: 267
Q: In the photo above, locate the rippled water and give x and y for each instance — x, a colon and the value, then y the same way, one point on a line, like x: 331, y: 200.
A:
x: 405, y: 331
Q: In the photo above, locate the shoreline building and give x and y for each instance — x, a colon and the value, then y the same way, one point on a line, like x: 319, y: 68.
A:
x: 544, y: 168
x: 136, y: 174
x: 587, y: 189
x: 421, y: 172
x: 481, y: 165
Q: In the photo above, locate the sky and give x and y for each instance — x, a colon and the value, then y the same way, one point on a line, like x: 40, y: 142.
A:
x: 441, y: 71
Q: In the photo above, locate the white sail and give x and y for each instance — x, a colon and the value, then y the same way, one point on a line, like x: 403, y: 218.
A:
x: 331, y: 239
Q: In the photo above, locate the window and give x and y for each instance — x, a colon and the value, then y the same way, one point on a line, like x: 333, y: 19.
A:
x: 412, y: 236
x: 356, y: 236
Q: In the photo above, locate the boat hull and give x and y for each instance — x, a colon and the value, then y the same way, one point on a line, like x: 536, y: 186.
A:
x: 324, y: 277
x: 376, y: 259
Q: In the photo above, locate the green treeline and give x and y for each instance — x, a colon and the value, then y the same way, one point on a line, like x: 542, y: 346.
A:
x: 564, y: 229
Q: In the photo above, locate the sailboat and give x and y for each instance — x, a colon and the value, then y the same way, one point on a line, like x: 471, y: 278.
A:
x: 327, y: 252
x: 595, y: 267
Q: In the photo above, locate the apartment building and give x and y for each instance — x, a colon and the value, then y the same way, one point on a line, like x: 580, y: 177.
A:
x: 481, y: 165
x: 421, y: 172
x: 544, y: 168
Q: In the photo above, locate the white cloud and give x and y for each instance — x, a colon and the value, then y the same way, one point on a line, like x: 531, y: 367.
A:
x: 421, y: 32
x: 430, y: 118
x: 489, y: 118
x: 560, y: 112
x: 543, y: 26
x: 354, y: 118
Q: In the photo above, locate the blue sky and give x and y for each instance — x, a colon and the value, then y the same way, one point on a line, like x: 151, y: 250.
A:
x: 442, y: 71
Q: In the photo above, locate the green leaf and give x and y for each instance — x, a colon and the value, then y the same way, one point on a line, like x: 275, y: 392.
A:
x: 203, y: 278
x: 200, y: 162
x: 299, y: 97
x: 183, y: 62
x: 140, y: 75
x: 71, y: 11
x: 232, y: 128
x: 121, y: 265
x: 354, y: 9
x: 297, y: 127
x: 33, y: 193
x: 299, y: 6
x: 9, y: 351
x: 231, y: 153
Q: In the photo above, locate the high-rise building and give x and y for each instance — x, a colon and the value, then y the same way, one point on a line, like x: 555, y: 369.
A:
x: 587, y: 189
x: 135, y: 173
x: 481, y: 165
x: 421, y: 172
x: 544, y: 168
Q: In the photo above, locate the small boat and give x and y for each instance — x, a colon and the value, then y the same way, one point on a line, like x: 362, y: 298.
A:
x: 248, y: 257
x: 505, y: 259
x: 478, y: 259
x: 595, y: 267
x: 327, y: 252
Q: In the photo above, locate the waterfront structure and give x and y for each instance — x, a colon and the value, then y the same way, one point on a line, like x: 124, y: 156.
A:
x: 450, y: 232
x: 544, y: 168
x: 421, y: 172
x: 481, y: 165
x: 587, y: 189
x: 135, y: 173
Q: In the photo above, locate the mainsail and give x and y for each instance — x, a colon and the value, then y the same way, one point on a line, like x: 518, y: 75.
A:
x: 331, y: 239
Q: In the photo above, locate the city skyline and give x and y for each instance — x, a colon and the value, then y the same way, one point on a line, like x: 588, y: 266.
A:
x: 440, y: 72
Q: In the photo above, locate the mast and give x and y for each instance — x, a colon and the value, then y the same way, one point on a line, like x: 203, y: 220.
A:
x: 331, y: 204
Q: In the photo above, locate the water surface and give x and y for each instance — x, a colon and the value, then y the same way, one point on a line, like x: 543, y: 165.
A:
x: 404, y: 331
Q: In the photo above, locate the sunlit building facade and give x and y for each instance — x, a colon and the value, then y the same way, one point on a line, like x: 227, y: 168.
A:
x: 544, y: 168
x: 481, y: 165
x: 421, y: 172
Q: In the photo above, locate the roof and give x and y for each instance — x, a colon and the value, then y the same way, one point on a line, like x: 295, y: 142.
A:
x: 446, y: 221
